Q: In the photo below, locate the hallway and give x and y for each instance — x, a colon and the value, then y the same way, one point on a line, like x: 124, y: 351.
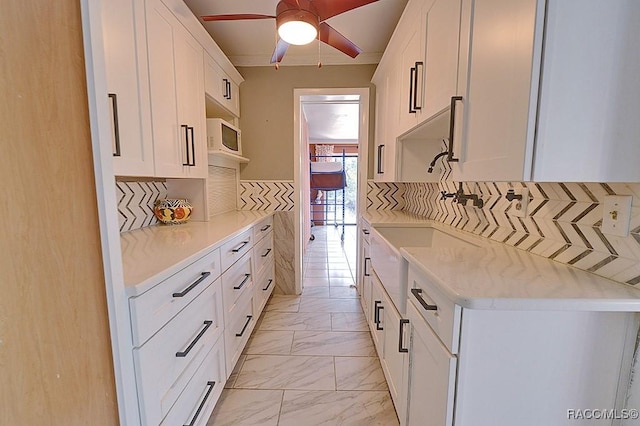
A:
x: 311, y: 360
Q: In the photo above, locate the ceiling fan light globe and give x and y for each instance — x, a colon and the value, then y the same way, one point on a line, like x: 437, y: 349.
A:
x: 297, y: 32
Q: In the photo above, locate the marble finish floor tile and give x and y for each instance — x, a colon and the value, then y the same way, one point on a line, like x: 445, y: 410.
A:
x: 336, y: 343
x: 282, y: 303
x: 343, y: 292
x: 359, y: 373
x: 354, y: 408
x: 238, y: 407
x: 296, y: 321
x: 319, y: 291
x: 316, y: 282
x: 315, y: 273
x: 349, y: 321
x: 265, y: 342
x: 341, y: 282
x: 234, y: 374
x: 329, y: 305
x: 339, y: 273
x: 287, y: 372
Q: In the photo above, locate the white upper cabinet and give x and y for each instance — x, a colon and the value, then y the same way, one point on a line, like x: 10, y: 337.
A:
x: 127, y: 81
x: 548, y: 102
x: 176, y: 74
x: 221, y: 87
x: 441, y: 63
x: 387, y: 84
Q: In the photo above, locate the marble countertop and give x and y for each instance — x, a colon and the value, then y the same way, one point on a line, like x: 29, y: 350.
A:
x: 154, y: 253
x: 498, y: 276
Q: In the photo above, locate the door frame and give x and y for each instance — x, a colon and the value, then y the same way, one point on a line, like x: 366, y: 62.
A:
x: 363, y: 161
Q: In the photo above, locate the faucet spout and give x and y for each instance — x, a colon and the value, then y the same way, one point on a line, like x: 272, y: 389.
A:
x: 436, y: 158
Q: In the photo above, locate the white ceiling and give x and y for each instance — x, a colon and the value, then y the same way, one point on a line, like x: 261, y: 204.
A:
x: 251, y: 42
x: 332, y: 118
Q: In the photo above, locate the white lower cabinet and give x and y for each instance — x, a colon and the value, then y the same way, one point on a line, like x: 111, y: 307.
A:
x: 395, y: 354
x: 471, y: 367
x: 190, y: 329
x: 431, y: 376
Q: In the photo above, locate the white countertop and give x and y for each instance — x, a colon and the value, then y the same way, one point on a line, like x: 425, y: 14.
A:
x: 498, y: 276
x: 154, y: 253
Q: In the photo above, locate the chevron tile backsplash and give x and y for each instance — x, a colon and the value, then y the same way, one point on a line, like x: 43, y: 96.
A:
x: 266, y: 195
x: 385, y: 196
x: 135, y: 203
x: 564, y: 221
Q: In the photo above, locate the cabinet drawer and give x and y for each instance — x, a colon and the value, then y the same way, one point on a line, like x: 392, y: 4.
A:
x: 263, y: 253
x: 196, y: 403
x: 262, y: 228
x: 236, y: 282
x: 165, y: 364
x: 235, y: 248
x: 153, y: 309
x: 263, y: 287
x: 445, y: 318
x: 237, y: 331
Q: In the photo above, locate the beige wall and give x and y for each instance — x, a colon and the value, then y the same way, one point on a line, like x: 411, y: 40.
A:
x: 55, y: 351
x: 266, y: 116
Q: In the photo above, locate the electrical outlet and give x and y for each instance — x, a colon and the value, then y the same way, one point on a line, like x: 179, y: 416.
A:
x: 519, y: 208
x: 616, y: 215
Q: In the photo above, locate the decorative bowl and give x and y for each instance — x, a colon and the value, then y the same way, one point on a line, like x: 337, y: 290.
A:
x: 172, y: 211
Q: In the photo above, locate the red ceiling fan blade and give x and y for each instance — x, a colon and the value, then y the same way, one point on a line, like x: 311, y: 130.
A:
x: 329, y: 8
x: 235, y: 17
x: 333, y: 38
x: 279, y: 51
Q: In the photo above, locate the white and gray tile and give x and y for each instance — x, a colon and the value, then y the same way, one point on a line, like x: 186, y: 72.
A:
x: 246, y: 407
x: 349, y: 321
x: 265, y: 342
x: 296, y: 321
x: 329, y: 305
x: 337, y: 343
x: 355, y: 408
x: 283, y: 303
x: 287, y: 372
x: 359, y: 373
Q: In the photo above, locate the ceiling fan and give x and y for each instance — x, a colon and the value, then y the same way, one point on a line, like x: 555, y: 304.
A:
x: 300, y: 22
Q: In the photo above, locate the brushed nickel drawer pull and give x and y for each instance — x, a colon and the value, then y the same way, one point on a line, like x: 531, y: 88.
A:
x: 184, y: 353
x: 246, y: 278
x: 416, y: 293
x: 201, y: 406
x: 246, y: 324
x: 192, y: 286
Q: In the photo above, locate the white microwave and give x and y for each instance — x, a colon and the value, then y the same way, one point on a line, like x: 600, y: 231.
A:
x: 223, y: 137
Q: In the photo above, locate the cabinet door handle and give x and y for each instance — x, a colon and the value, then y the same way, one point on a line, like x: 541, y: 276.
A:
x: 378, y: 326
x: 266, y: 253
x: 240, y: 247
x: 246, y: 324
x: 268, y: 285
x: 380, y: 153
x: 186, y: 143
x: 365, y: 231
x: 226, y: 88
x: 366, y: 271
x: 452, y: 127
x: 401, y: 347
x: 246, y: 278
x: 116, y: 125
x: 412, y: 77
x: 193, y: 285
x: 264, y: 228
x: 193, y: 147
x: 210, y: 385
x: 229, y: 89
x: 416, y: 293
x: 416, y: 107
x: 184, y: 353
x: 376, y: 314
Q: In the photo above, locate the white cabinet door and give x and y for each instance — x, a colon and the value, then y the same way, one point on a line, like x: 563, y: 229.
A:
x: 365, y: 286
x: 394, y: 361
x: 376, y: 316
x: 384, y: 163
x: 411, y: 73
x: 498, y: 76
x: 432, y: 372
x: 125, y: 52
x: 441, y: 57
x: 220, y: 87
x: 177, y: 93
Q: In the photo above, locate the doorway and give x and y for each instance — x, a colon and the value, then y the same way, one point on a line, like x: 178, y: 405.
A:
x: 331, y: 156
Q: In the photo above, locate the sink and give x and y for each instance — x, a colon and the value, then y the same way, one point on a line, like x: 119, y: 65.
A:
x: 391, y: 267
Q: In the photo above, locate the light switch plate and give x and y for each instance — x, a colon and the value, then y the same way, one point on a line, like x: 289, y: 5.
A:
x: 616, y: 215
x: 519, y: 208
